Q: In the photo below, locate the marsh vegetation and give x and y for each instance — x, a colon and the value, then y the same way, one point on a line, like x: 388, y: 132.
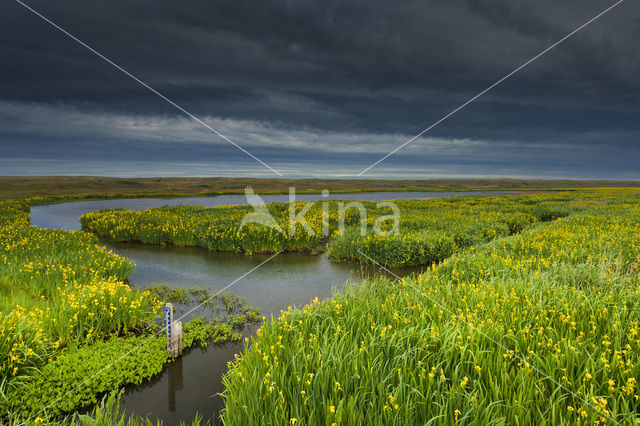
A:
x: 527, y: 310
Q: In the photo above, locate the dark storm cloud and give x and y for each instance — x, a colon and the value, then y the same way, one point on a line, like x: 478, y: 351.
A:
x: 337, y: 81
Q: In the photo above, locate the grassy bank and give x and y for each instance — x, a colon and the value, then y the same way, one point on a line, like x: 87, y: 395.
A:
x: 535, y: 328
x: 428, y: 230
x: 66, y: 313
x: 58, y: 288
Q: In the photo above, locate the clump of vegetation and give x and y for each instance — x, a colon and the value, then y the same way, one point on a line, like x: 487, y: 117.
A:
x: 429, y: 230
x: 66, y: 313
x: 77, y: 377
x: 539, y: 325
x: 216, y: 301
x: 58, y: 288
x: 220, y: 308
x: 433, y: 230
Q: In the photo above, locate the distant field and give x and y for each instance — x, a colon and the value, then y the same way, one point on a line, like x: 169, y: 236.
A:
x: 22, y: 187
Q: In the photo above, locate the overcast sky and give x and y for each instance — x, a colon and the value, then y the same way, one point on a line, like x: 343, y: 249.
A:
x: 321, y: 89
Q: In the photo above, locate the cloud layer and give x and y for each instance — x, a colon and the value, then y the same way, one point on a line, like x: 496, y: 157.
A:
x: 324, y: 85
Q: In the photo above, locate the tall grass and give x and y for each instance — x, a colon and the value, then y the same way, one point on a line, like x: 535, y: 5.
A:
x: 58, y: 288
x: 432, y: 230
x: 541, y: 327
x: 66, y: 314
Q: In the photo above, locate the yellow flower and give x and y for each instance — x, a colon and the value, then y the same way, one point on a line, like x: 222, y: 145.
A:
x: 464, y: 382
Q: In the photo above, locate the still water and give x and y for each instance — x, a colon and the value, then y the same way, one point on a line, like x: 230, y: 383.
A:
x: 192, y: 383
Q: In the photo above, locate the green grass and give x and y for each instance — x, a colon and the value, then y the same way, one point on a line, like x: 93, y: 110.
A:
x: 535, y: 328
x: 58, y: 288
x: 428, y: 231
x: 65, y: 314
x: 62, y: 385
x: 528, y: 315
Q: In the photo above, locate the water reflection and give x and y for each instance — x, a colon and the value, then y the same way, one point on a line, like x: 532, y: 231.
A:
x: 175, y: 382
x: 287, y: 279
x: 181, y: 392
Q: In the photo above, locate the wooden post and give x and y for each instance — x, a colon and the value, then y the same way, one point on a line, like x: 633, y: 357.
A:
x: 174, y: 332
x: 176, y: 338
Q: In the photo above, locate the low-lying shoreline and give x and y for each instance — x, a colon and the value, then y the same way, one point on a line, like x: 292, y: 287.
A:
x: 61, y: 188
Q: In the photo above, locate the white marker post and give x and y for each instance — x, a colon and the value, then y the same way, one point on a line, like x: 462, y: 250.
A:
x: 174, y: 332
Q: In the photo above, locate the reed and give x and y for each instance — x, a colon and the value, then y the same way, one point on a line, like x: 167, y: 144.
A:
x: 541, y: 327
